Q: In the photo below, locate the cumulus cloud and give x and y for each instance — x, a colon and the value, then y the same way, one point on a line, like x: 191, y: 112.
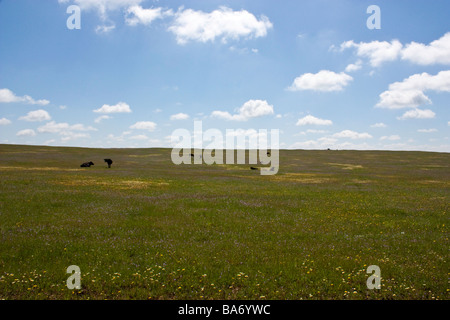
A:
x: 69, y: 135
x: 379, y: 52
x: 437, y: 52
x: 398, y: 99
x: 104, y: 28
x: 120, y: 107
x: 427, y: 130
x: 324, y: 80
x: 417, y: 114
x: 26, y: 133
x: 352, y: 135
x: 137, y: 15
x: 354, y: 66
x: 376, y: 51
x: 179, y: 116
x: 53, y: 127
x: 425, y: 81
x: 101, y: 118
x: 223, y: 23
x: 313, y: 121
x: 66, y: 130
x: 378, y: 125
x: 4, y: 122
x: 250, y: 109
x: 36, y: 116
x: 390, y: 138
x: 7, y: 96
x: 144, y: 125
x: 409, y: 93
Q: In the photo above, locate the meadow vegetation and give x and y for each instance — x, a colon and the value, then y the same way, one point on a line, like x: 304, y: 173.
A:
x: 148, y: 229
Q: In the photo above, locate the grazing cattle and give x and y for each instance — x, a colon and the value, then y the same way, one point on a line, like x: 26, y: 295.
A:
x: 253, y: 168
x: 109, y: 162
x: 87, y: 164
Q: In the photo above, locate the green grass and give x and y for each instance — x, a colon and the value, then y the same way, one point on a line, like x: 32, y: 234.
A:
x: 148, y: 229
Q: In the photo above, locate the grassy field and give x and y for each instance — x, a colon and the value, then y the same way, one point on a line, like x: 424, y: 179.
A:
x: 148, y: 229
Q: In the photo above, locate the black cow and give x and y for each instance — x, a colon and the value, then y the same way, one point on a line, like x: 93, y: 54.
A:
x: 87, y: 164
x: 253, y: 168
x: 109, y: 162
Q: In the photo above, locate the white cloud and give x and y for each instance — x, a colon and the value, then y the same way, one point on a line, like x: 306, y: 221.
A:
x: 81, y: 127
x: 316, y: 131
x: 63, y: 128
x: 69, y: 135
x: 225, y: 115
x: 120, y: 107
x: 324, y: 80
x: 398, y: 99
x: 377, y: 52
x: 4, y: 122
x: 354, y: 66
x: 53, y: 127
x: 50, y: 141
x: 101, y: 118
x: 352, y: 135
x: 313, y: 121
x: 410, y: 92
x: 179, y: 116
x: 417, y: 114
x: 26, y: 133
x: 105, y: 28
x: 223, y: 23
x: 425, y: 81
x: 136, y: 14
x: 66, y: 131
x: 427, y: 130
x: 437, y: 52
x: 250, y: 109
x: 144, y: 125
x: 378, y: 125
x: 7, y: 96
x: 37, y: 115
x: 391, y: 138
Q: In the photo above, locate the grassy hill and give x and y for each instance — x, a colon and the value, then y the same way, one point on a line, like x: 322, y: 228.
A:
x: 148, y: 229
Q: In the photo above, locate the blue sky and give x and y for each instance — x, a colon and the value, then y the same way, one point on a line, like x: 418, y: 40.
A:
x: 137, y: 70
